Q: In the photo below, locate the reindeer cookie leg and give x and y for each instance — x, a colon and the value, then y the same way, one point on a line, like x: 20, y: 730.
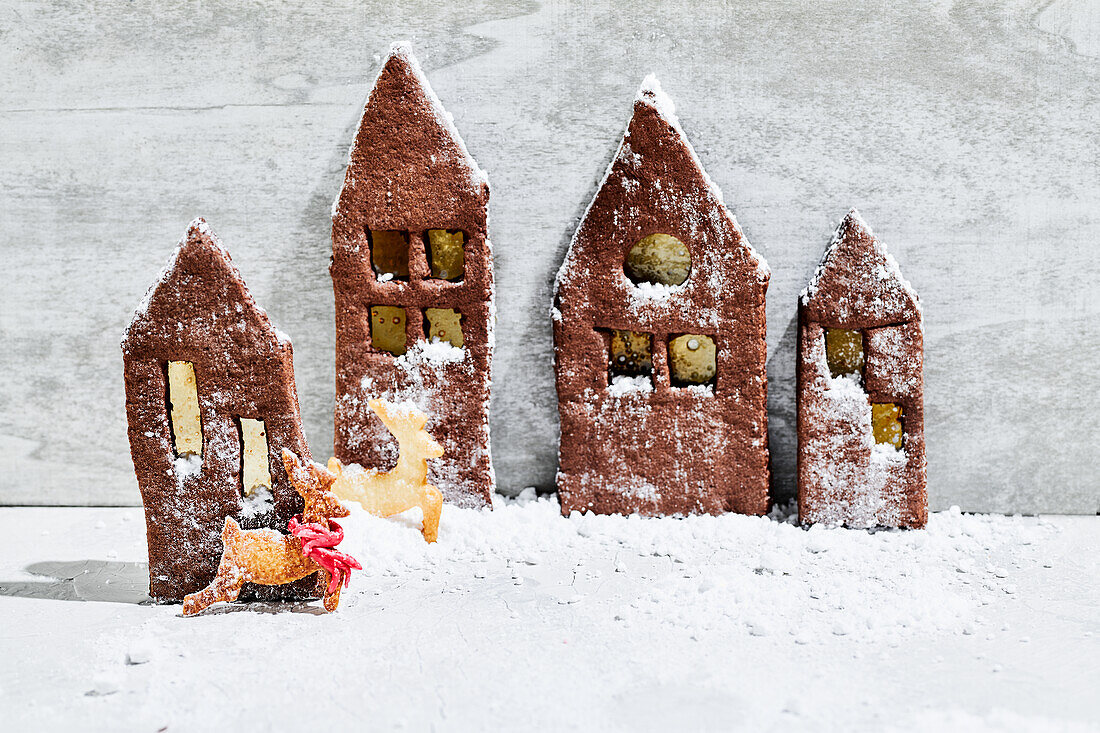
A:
x: 226, y: 585
x: 432, y: 506
x: 332, y: 600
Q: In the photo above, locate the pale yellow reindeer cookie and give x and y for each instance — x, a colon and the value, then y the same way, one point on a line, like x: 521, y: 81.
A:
x: 385, y: 493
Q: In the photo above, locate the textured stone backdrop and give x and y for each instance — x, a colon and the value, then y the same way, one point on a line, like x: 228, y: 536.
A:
x: 968, y: 134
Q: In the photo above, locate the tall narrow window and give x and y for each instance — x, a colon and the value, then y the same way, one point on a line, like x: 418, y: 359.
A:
x: 443, y: 324
x: 844, y: 351
x: 387, y: 329
x: 661, y: 259
x: 693, y: 359
x: 389, y: 254
x: 255, y: 471
x: 445, y: 253
x: 183, y: 397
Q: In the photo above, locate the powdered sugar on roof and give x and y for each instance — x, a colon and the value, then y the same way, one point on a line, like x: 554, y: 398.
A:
x: 653, y: 96
x: 863, y: 274
x: 403, y: 50
x: 199, y: 233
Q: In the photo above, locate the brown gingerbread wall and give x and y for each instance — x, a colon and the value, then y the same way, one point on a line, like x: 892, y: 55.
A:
x: 409, y: 171
x: 670, y: 449
x: 200, y: 311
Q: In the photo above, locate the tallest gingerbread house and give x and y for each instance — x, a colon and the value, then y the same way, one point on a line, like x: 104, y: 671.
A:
x: 413, y: 276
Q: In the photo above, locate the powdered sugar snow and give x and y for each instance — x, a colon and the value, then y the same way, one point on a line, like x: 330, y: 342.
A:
x: 520, y: 618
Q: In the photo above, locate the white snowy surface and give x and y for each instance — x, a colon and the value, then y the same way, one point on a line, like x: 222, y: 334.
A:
x: 519, y: 618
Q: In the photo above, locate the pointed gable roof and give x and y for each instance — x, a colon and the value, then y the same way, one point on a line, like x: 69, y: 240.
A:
x: 408, y: 164
x: 858, y: 282
x: 656, y: 179
x: 202, y: 291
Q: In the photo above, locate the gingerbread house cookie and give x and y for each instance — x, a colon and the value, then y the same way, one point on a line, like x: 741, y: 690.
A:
x: 412, y: 272
x: 659, y: 333
x: 211, y: 403
x: 861, y: 456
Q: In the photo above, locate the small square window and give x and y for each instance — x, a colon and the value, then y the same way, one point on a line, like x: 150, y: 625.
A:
x: 692, y: 359
x: 443, y: 324
x: 389, y: 254
x: 630, y: 354
x: 387, y: 329
x: 446, y: 254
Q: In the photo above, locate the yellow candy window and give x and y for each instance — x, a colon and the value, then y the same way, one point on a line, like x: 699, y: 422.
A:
x: 446, y: 254
x: 844, y: 351
x: 886, y: 423
x: 387, y: 329
x: 693, y: 359
x: 183, y: 413
x: 443, y: 324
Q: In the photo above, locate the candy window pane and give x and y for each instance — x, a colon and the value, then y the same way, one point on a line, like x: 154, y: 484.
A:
x: 844, y: 351
x: 444, y: 324
x: 387, y: 329
x: 693, y: 359
x: 445, y: 253
x: 183, y: 413
x: 630, y: 354
x: 886, y: 423
x: 255, y: 471
x: 389, y: 254
x: 661, y: 259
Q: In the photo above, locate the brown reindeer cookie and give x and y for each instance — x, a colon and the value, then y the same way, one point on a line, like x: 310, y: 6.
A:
x: 269, y: 558
x: 211, y: 401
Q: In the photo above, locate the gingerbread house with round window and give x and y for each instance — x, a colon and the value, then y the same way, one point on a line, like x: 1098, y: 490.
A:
x: 412, y: 273
x: 659, y: 332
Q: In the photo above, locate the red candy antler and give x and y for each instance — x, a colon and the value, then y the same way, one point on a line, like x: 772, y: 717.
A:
x: 318, y: 544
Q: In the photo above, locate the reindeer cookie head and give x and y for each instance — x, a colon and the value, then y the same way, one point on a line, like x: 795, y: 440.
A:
x: 406, y: 423
x: 313, y: 482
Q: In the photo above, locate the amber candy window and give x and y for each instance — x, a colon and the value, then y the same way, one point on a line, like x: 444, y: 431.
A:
x: 389, y: 254
x: 387, y: 329
x: 443, y: 324
x: 692, y: 359
x: 630, y: 354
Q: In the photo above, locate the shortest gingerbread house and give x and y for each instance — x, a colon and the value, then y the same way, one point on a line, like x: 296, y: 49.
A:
x: 861, y: 459
x: 211, y: 403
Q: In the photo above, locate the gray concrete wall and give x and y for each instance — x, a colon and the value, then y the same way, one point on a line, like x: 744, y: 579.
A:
x: 968, y: 134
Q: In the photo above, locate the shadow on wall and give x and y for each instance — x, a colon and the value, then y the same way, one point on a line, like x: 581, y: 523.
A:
x: 84, y: 580
x: 782, y: 416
